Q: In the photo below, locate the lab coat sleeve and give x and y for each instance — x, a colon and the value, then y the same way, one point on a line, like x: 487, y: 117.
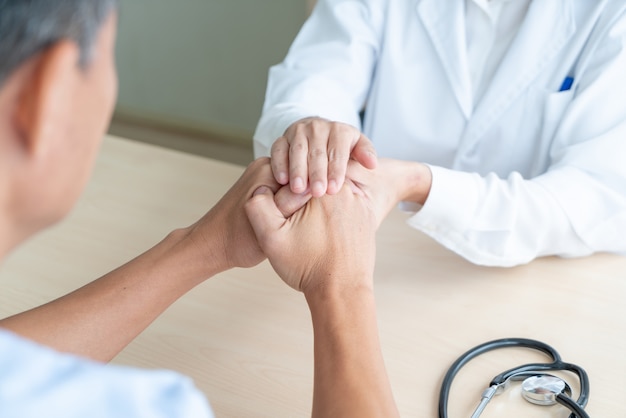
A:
x: 575, y: 208
x: 497, y: 222
x: 327, y: 72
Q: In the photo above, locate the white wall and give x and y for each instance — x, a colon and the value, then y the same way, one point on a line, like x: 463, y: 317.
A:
x: 201, y: 64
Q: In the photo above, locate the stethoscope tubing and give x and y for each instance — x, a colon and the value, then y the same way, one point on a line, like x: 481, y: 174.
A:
x: 566, y: 401
x: 524, y: 370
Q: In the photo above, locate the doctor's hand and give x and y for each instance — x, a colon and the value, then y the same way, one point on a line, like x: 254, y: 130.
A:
x: 328, y: 244
x: 313, y: 155
x: 391, y: 182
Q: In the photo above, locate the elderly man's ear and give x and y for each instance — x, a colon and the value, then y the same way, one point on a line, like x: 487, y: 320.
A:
x: 40, y: 95
x: 35, y: 106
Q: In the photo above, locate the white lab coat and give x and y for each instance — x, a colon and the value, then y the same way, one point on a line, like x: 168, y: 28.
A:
x: 530, y: 170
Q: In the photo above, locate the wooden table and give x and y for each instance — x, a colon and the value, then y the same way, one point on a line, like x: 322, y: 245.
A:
x: 246, y: 339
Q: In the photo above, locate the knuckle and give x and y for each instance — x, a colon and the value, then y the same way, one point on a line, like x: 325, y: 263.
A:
x: 317, y: 173
x: 300, y: 130
x: 280, y: 145
x: 317, y: 126
x: 344, y: 130
x: 338, y: 155
x: 298, y: 146
x: 316, y: 122
x: 317, y: 153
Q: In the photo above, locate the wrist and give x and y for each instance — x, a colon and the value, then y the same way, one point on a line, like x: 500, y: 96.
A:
x: 197, y: 257
x: 324, y: 298
x: 418, y: 182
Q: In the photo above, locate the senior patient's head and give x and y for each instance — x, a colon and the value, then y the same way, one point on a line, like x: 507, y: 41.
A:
x: 57, y: 90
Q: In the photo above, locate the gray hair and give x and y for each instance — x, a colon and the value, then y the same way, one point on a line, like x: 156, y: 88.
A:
x: 28, y: 27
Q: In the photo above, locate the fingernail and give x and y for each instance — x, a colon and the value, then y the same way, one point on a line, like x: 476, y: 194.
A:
x: 282, y: 178
x: 317, y: 189
x: 298, y: 183
x: 332, y: 186
x: 260, y: 190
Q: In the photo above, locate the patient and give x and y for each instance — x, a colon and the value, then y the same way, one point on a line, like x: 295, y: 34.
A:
x: 57, y: 91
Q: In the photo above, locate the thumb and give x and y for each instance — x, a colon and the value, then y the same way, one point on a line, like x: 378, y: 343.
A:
x: 263, y: 214
x: 365, y: 153
x: 289, y: 202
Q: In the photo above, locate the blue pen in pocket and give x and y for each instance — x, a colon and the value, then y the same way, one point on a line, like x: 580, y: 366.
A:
x: 567, y: 83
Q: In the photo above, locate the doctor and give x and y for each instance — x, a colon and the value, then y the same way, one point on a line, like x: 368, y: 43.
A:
x: 509, y: 118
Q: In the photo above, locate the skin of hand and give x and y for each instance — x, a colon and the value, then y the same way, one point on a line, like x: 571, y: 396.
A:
x: 329, y: 241
x: 391, y: 182
x: 327, y: 250
x: 314, y: 153
x: 99, y: 319
x: 228, y: 222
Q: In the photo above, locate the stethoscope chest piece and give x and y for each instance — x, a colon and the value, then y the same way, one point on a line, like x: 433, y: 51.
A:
x: 543, y: 389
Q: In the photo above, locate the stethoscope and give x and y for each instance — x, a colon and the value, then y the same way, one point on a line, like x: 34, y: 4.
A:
x: 538, y: 386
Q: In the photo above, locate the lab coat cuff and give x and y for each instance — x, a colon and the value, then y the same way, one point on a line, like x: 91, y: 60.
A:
x: 451, y: 203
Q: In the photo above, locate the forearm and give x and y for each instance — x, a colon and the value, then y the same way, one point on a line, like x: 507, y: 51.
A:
x: 350, y: 375
x: 101, y: 318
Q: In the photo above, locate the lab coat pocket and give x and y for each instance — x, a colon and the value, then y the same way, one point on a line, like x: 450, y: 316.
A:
x: 555, y: 106
x: 550, y: 108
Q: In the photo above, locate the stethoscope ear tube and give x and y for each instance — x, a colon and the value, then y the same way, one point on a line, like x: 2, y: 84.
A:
x: 516, y: 373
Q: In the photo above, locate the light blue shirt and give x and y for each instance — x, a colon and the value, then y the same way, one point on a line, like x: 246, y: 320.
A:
x: 37, y: 382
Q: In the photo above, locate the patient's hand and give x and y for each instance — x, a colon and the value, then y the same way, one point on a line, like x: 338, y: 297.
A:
x: 224, y: 237
x: 328, y: 243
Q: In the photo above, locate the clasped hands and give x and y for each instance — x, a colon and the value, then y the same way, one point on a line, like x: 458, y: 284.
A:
x: 311, y: 242
x: 312, y: 209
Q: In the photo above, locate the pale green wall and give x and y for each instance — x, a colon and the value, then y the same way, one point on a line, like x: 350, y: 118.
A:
x: 202, y: 64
